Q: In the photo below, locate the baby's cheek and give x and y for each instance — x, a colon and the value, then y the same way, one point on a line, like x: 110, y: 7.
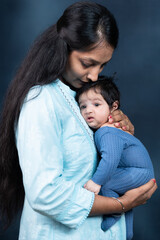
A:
x: 82, y: 112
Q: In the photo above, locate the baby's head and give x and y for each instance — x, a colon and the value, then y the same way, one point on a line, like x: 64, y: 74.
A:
x: 97, y: 100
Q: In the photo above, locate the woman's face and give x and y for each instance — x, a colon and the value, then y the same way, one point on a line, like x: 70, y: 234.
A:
x: 85, y: 66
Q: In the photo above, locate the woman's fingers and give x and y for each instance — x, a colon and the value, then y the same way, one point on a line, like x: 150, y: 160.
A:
x: 147, y: 191
x: 140, y: 195
x: 151, y: 188
x: 116, y: 116
x: 120, y: 120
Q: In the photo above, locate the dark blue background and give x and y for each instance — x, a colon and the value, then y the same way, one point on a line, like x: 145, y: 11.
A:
x: 136, y: 61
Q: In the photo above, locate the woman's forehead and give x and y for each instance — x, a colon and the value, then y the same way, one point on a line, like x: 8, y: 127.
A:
x: 102, y: 53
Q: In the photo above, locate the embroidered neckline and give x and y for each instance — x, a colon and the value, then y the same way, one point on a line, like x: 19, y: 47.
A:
x: 74, y: 110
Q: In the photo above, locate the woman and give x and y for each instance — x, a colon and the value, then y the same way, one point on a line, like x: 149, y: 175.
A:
x: 45, y: 141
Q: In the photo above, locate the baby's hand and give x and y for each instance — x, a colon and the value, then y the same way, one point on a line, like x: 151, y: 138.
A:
x: 93, y: 187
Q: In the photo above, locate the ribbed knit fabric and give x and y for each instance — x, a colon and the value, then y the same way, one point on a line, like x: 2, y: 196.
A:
x: 125, y: 164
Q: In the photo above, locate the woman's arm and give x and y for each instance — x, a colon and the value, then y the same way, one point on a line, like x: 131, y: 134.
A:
x: 40, y: 149
x: 120, y: 120
x: 131, y: 199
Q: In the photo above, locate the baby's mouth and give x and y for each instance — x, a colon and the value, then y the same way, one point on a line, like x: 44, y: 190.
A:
x: 90, y: 119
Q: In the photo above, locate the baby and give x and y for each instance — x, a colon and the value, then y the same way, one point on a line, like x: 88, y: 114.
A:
x: 124, y: 161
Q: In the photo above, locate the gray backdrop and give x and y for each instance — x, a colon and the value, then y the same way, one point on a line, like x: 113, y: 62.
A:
x: 136, y: 62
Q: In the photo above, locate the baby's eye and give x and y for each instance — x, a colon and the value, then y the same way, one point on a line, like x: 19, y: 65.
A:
x: 82, y: 107
x: 96, y: 104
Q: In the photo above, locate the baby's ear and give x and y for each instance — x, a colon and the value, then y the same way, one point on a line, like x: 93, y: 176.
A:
x: 115, y: 106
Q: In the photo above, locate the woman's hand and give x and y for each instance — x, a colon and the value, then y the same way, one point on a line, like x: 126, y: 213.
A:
x: 120, y: 120
x: 132, y: 198
x: 138, y: 196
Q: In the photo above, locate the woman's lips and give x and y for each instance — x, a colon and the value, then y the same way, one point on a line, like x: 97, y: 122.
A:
x: 82, y: 82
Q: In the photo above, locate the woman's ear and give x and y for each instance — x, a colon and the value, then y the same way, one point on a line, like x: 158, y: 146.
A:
x: 114, y: 106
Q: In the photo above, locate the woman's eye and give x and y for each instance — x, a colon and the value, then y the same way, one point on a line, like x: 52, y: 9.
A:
x: 103, y: 65
x: 85, y: 65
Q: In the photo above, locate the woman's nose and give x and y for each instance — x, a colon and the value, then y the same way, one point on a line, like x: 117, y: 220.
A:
x: 93, y: 74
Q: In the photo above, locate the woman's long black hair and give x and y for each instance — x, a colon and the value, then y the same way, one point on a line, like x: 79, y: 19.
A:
x: 81, y: 26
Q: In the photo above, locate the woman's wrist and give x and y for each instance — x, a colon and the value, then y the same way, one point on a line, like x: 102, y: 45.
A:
x: 106, y: 205
x: 120, y: 202
x: 126, y: 202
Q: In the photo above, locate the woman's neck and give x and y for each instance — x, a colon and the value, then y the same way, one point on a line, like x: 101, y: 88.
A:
x: 66, y: 83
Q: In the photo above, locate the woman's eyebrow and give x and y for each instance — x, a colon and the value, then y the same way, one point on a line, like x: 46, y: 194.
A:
x: 93, y: 61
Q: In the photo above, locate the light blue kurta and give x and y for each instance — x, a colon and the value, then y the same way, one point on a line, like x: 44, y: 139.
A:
x: 57, y: 156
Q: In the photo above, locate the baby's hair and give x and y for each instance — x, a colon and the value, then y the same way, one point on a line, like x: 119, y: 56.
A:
x: 105, y: 86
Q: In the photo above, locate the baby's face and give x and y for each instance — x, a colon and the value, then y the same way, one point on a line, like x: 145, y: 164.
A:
x: 94, y: 108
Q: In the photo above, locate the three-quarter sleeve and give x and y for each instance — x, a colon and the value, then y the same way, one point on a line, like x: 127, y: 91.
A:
x: 39, y: 143
x: 110, y: 148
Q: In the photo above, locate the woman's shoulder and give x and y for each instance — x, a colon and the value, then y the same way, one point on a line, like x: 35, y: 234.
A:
x: 47, y: 94
x: 39, y: 91
x: 40, y: 99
